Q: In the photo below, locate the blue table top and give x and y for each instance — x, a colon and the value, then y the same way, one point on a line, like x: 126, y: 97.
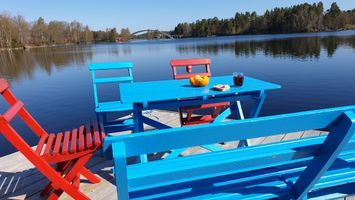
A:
x: 139, y: 92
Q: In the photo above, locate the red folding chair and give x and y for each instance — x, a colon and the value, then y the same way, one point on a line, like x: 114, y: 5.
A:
x: 69, y: 151
x: 188, y: 119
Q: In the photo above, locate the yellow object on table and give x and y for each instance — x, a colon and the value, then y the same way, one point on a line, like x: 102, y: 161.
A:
x: 199, y: 81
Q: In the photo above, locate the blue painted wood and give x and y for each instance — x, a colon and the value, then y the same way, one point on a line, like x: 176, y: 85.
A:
x: 327, y: 154
x: 152, y: 95
x: 120, y: 165
x: 114, y: 105
x: 222, y: 116
x: 154, y: 123
x: 200, y: 98
x: 113, y: 79
x: 102, y: 108
x: 254, y: 172
x: 255, y: 111
x: 199, y: 167
x: 252, y: 180
x: 175, y: 103
x: 175, y: 89
x: 175, y: 153
x: 212, y: 147
x: 258, y: 103
x: 110, y: 65
x: 138, y: 127
x: 119, y: 125
x: 229, y: 131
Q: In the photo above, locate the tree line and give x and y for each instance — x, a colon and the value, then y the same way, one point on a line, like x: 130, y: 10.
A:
x: 299, y: 18
x: 15, y: 32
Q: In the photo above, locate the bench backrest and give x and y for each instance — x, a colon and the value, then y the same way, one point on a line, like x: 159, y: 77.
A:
x: 94, y: 67
x: 188, y: 64
x: 156, y: 141
x: 319, y: 152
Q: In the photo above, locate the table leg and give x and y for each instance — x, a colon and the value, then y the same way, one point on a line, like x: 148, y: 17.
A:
x: 258, y: 103
x: 255, y: 110
x: 242, y: 143
x: 138, y: 125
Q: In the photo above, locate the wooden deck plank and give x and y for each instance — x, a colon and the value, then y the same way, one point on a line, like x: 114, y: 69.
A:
x: 293, y: 136
x: 274, y: 138
x: 311, y: 133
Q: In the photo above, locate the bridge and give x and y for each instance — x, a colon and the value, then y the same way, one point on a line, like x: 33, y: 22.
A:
x: 163, y: 33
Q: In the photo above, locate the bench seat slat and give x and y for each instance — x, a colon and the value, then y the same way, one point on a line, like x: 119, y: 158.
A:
x: 267, y: 190
x: 267, y: 184
x: 198, y: 166
x: 229, y: 154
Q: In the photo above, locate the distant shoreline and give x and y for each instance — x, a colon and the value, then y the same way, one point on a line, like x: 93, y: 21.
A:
x: 72, y: 44
x: 27, y: 47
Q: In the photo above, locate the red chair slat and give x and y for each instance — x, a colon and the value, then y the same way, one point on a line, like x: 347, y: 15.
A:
x: 58, y: 141
x: 97, y: 139
x: 188, y: 64
x: 14, y: 109
x: 192, y: 61
x: 88, y: 136
x: 49, y: 144
x: 81, y: 138
x: 65, y: 147
x: 41, y: 143
x: 3, y: 85
x: 74, y: 138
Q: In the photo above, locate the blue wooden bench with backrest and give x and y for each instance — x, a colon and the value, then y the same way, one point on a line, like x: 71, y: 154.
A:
x: 321, y: 166
x: 102, y: 108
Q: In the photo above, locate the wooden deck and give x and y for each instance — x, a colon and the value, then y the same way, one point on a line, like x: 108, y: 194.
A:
x: 19, y: 180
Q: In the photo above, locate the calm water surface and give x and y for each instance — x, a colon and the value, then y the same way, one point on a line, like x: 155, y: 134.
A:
x: 315, y: 71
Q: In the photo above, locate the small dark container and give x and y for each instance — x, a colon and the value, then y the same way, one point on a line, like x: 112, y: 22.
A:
x: 238, y: 79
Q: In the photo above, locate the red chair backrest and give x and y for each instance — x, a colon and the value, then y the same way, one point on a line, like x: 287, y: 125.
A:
x: 16, y: 108
x: 188, y: 64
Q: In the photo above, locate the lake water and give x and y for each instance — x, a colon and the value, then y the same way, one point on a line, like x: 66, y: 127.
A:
x: 315, y: 71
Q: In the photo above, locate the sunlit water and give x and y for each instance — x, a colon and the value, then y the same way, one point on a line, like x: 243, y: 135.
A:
x: 315, y: 71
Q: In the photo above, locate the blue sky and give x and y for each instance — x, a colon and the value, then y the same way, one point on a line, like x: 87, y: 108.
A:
x: 141, y: 14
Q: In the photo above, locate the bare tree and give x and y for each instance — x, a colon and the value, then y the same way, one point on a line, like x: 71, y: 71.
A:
x: 6, y: 30
x: 39, y: 32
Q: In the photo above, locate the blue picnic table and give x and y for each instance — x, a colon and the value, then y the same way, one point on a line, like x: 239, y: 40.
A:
x: 170, y: 94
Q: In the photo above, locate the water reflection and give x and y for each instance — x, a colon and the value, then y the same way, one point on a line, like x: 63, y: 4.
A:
x: 301, y: 48
x: 18, y: 63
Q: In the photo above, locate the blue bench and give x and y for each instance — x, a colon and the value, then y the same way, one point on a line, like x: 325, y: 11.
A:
x: 322, y: 166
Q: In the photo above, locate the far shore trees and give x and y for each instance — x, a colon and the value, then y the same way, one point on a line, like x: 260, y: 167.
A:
x: 16, y: 32
x: 299, y: 18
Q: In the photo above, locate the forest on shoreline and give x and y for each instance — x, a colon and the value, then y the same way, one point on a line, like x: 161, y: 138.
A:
x: 16, y: 32
x: 296, y: 19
